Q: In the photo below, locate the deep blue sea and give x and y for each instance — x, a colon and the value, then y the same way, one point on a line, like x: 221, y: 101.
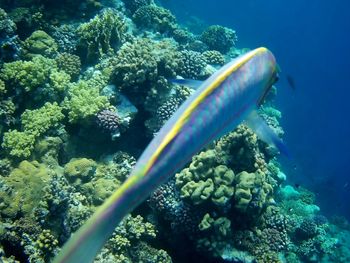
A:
x: 311, y: 42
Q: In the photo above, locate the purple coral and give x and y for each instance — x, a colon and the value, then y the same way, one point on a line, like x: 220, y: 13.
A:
x: 108, y: 121
x: 166, y: 201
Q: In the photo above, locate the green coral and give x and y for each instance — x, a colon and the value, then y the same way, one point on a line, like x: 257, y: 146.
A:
x: 128, y: 242
x: 253, y: 192
x: 7, y: 26
x: 39, y: 121
x: 213, y: 57
x: 205, y: 180
x: 142, y: 60
x: 69, y: 63
x: 39, y: 43
x: 47, y: 241
x: 2, y: 88
x: 219, y: 38
x: 220, y: 225
x: 193, y: 64
x: 102, y: 34
x: 155, y: 17
x: 79, y: 171
x: 133, y: 5
x: 84, y: 101
x: 58, y: 81
x: 29, y: 75
x: 23, y: 189
x: 35, y: 123
x: 18, y: 144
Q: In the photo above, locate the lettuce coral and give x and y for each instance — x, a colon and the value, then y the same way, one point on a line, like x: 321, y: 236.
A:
x: 204, y: 180
x: 102, y: 34
x: 252, y: 192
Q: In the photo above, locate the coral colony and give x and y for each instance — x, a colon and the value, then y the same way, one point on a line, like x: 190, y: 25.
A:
x: 83, y: 89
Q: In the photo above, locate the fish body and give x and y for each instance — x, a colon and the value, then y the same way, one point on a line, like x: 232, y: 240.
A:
x: 218, y: 106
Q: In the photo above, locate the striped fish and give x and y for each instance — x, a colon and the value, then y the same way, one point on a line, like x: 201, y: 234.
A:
x: 218, y: 106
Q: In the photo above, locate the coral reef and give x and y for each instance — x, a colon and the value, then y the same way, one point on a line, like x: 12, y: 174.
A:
x: 155, y: 17
x: 219, y: 38
x: 213, y: 57
x: 39, y: 43
x: 84, y: 86
x: 193, y: 64
x: 102, y: 34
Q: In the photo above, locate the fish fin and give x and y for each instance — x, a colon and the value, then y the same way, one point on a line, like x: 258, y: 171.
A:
x: 192, y: 83
x: 265, y: 133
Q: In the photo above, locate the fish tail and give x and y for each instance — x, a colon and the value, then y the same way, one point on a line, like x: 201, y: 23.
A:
x: 90, y: 238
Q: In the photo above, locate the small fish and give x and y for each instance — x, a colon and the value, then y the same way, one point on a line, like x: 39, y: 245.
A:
x: 219, y: 105
x: 290, y: 81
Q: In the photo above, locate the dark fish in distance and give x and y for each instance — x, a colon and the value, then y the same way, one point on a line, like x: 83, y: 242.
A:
x: 290, y: 81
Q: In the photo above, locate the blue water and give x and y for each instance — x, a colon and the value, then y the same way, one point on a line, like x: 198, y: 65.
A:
x: 311, y: 42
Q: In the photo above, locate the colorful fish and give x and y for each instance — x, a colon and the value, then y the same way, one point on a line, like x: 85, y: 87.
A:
x: 219, y: 105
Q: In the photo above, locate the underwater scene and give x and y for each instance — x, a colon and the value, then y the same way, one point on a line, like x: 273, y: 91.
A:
x: 146, y: 131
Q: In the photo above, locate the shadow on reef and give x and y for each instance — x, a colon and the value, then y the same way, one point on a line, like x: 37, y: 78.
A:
x: 83, y: 89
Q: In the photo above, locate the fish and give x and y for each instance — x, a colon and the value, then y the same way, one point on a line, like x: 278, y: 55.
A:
x: 291, y: 82
x: 219, y: 104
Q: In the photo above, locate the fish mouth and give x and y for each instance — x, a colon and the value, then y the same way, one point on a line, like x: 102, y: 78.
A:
x: 274, y: 78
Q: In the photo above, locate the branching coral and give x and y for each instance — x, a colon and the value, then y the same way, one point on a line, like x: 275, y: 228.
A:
x: 155, y: 17
x: 219, y: 38
x: 7, y: 26
x: 193, y: 64
x: 144, y: 59
x: 133, y: 5
x: 84, y: 102
x: 69, y: 63
x: 35, y: 123
x: 29, y: 75
x: 213, y: 57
